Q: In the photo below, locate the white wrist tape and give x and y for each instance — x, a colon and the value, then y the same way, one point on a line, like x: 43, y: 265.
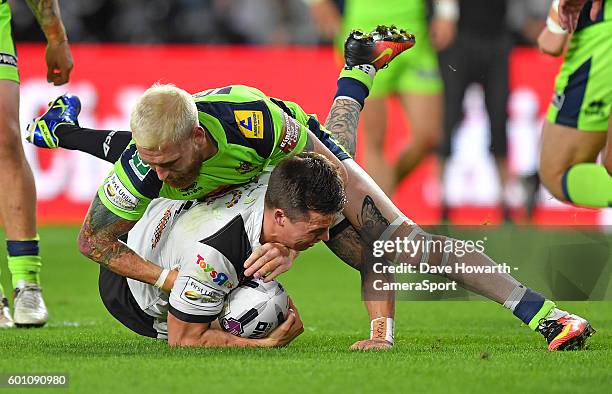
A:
x: 162, y: 278
x: 382, y: 328
x: 554, y: 27
x: 446, y: 9
x: 552, y: 24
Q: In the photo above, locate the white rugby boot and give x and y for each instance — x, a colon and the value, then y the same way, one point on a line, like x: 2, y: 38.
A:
x: 29, y: 307
x: 6, y: 321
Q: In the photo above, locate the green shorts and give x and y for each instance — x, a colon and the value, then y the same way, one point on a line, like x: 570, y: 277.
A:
x: 8, y: 58
x: 583, y: 91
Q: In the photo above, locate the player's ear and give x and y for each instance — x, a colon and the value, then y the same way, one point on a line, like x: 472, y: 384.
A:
x: 199, y: 135
x: 279, y: 217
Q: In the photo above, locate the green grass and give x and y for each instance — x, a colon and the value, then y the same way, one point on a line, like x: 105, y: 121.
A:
x: 440, y: 346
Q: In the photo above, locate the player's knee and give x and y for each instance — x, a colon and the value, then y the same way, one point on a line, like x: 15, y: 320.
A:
x: 11, y: 150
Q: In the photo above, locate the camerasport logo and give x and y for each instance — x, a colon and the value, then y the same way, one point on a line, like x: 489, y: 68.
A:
x: 220, y: 278
x: 291, y: 134
x: 118, y: 195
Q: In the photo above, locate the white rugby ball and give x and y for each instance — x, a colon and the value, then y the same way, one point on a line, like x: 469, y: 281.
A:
x: 254, y: 309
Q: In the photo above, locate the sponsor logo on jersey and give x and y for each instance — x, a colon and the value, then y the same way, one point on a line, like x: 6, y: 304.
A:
x: 250, y: 123
x: 220, y: 278
x: 8, y: 60
x: 192, y: 191
x: 558, y: 99
x: 118, y: 195
x: 291, y: 133
x: 197, y: 293
x: 138, y: 166
x: 159, y: 230
x: 595, y: 108
x: 245, y: 167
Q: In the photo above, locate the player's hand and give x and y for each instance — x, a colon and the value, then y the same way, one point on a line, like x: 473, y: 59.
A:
x: 59, y: 62
x: 372, y: 344
x: 288, y: 331
x: 569, y: 12
x: 442, y: 32
x: 269, y: 261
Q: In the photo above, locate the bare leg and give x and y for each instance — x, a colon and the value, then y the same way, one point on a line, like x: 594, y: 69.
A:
x: 425, y: 116
x: 563, y: 147
x: 371, y: 213
x: 17, y: 202
x: 374, y: 118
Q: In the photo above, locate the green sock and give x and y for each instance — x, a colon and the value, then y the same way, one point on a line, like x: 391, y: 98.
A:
x: 542, y: 313
x: 23, y: 260
x: 356, y: 82
x: 589, y: 185
x: 360, y: 73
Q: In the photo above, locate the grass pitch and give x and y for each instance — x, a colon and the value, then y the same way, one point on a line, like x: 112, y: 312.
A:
x: 442, y: 347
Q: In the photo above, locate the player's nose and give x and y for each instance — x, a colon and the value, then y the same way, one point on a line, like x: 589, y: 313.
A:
x: 162, y: 173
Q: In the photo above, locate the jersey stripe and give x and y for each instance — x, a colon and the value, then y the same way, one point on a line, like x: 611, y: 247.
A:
x: 233, y: 242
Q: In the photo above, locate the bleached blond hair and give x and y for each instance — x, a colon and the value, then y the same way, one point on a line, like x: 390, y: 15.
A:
x: 163, y: 114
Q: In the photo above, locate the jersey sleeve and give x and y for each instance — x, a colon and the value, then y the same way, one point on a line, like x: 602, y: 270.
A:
x: 201, y: 285
x: 130, y: 186
x: 292, y: 133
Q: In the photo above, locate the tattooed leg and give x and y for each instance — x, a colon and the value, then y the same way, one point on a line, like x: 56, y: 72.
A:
x: 372, y: 213
x: 342, y: 121
x: 375, y: 218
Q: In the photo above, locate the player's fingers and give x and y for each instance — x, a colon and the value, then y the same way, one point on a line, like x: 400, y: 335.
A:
x: 255, y: 255
x: 595, y: 8
x: 64, y: 75
x: 267, y: 269
x: 289, y: 321
x: 357, y: 345
x: 51, y: 73
x: 279, y: 270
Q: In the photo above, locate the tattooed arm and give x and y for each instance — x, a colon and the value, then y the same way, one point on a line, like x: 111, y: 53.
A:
x: 98, y: 240
x: 342, y: 121
x: 57, y: 55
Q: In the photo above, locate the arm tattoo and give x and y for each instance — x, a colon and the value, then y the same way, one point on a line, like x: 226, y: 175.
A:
x: 347, y: 245
x: 99, y: 235
x: 342, y: 122
x: 371, y: 221
x: 47, y: 14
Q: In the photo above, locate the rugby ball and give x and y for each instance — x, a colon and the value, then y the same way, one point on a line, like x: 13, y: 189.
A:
x: 254, y: 309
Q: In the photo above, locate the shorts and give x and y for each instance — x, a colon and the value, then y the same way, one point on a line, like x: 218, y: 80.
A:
x: 119, y: 301
x: 8, y: 57
x: 583, y: 92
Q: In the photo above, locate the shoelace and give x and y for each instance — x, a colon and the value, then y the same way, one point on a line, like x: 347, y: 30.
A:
x: 29, y: 297
x: 549, y: 328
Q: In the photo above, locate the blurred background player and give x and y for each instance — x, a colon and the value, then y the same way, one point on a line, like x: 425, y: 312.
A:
x: 578, y: 118
x: 479, y: 54
x: 415, y: 78
x: 18, y: 202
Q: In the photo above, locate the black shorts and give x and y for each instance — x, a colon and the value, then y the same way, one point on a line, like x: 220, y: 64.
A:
x: 119, y: 301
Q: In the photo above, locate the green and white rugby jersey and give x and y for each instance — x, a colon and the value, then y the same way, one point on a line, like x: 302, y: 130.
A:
x: 252, y: 131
